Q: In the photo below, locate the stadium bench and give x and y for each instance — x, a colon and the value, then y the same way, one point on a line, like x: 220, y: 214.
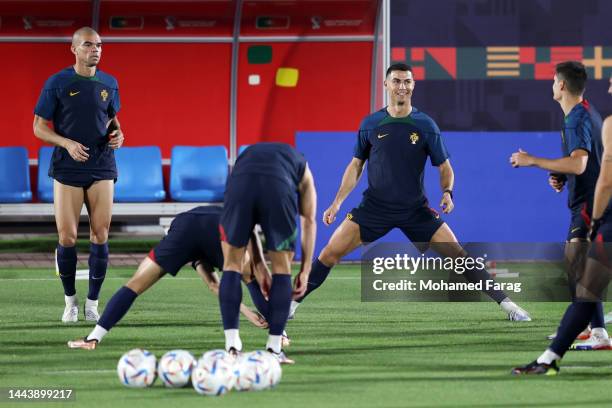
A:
x: 15, y: 175
x: 140, y: 175
x: 198, y: 173
x: 45, y: 183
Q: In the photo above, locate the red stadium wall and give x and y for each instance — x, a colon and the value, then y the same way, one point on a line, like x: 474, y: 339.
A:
x: 171, y: 94
x: 330, y: 93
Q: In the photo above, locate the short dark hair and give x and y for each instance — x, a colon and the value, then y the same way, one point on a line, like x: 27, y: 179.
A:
x: 398, y: 66
x: 574, y: 74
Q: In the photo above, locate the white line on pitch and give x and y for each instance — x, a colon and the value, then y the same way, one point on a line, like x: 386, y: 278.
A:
x: 169, y: 280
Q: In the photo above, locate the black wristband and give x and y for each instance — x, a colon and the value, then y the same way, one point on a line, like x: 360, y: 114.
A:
x: 449, y: 191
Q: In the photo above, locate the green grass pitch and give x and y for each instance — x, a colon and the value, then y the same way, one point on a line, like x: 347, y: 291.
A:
x: 348, y: 353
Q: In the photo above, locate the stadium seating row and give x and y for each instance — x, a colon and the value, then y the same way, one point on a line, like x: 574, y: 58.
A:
x: 197, y: 174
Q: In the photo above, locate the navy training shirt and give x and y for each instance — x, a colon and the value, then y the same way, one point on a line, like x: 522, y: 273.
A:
x: 209, y: 238
x: 396, y: 150
x: 277, y: 160
x: 582, y: 130
x: 80, y: 108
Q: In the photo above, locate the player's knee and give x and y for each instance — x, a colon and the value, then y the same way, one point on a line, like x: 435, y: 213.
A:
x: 67, y: 238
x: 330, y: 256
x: 99, y: 235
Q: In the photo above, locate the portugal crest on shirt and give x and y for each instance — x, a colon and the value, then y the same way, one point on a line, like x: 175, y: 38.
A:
x: 414, y: 138
x: 104, y: 95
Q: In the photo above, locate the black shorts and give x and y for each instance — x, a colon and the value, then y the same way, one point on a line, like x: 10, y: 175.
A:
x: 267, y: 201
x: 81, y: 180
x: 191, y: 238
x: 580, y: 222
x: 418, y: 225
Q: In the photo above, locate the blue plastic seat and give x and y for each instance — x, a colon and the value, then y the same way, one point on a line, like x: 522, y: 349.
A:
x: 45, y: 183
x: 198, y: 173
x: 242, y: 149
x: 15, y: 175
x: 140, y: 175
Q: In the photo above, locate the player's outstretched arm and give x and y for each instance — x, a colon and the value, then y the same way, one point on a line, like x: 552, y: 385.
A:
x: 447, y: 181
x: 210, y: 277
x: 603, y: 188
x: 575, y: 163
x: 308, y: 223
x: 43, y: 131
x: 351, y: 176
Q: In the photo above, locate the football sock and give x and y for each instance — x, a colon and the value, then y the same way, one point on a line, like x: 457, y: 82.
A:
x: 598, y: 316
x: 71, y: 300
x: 66, y: 263
x: 575, y: 320
x: 97, y: 333
x: 476, y: 275
x: 274, y: 343
x: 280, y: 299
x: 258, y: 298
x: 232, y: 340
x: 318, y: 274
x: 230, y: 296
x: 293, y: 307
x: 547, y: 357
x: 98, y: 261
x: 117, y: 307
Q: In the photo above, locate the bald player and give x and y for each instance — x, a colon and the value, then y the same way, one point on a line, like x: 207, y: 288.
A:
x: 81, y: 102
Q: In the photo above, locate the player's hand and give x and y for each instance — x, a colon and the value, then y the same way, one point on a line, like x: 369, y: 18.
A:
x: 557, y: 181
x: 77, y: 151
x: 446, y: 203
x: 329, y: 215
x: 300, y: 284
x: 255, y: 318
x: 594, y: 228
x: 521, y: 159
x: 265, y: 282
x: 116, y: 139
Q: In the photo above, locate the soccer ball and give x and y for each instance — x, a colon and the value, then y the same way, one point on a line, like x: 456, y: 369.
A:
x: 258, y: 371
x: 175, y: 367
x: 214, y: 375
x: 216, y: 353
x: 136, y: 368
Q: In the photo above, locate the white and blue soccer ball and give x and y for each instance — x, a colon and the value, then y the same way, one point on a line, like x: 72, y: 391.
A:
x: 214, y: 375
x: 257, y: 370
x: 174, y: 368
x: 136, y: 368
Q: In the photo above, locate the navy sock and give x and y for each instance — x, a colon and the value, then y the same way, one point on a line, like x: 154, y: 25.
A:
x: 318, y: 274
x: 230, y: 296
x: 597, y: 320
x: 98, y: 261
x: 575, y: 320
x: 476, y: 275
x: 280, y: 301
x: 258, y: 298
x: 66, y: 263
x: 117, y: 307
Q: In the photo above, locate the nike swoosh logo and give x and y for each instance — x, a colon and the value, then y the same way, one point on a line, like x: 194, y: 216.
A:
x: 575, y: 229
x: 74, y: 93
x: 381, y: 136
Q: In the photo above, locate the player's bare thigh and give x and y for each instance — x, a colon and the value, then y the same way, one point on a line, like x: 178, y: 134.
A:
x: 146, y: 275
x: 445, y: 243
x: 67, y: 204
x: 344, y: 240
x: 99, y: 201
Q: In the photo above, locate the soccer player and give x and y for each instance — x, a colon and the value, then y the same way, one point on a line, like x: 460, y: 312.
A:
x: 193, y: 237
x: 82, y: 104
x: 578, y: 168
x: 269, y: 185
x: 594, y: 281
x: 396, y: 141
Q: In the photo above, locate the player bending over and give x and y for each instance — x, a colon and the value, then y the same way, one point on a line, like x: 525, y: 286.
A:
x: 193, y: 237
